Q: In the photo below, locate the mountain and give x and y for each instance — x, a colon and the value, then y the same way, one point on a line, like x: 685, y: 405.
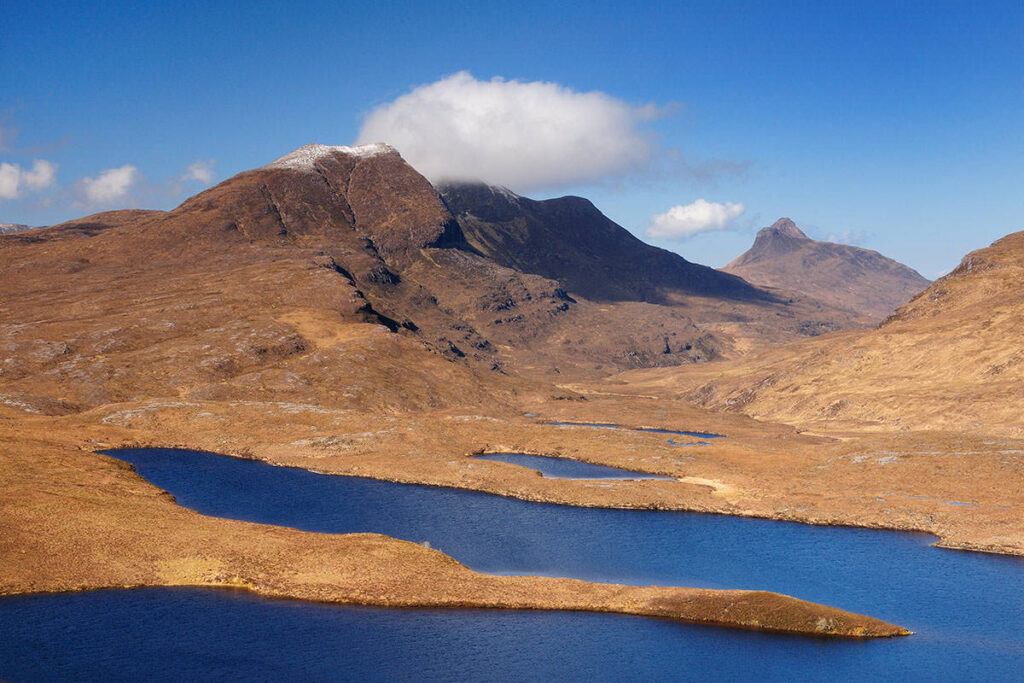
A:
x: 338, y: 275
x: 569, y: 240
x: 950, y: 359
x: 240, y: 294
x: 848, y: 277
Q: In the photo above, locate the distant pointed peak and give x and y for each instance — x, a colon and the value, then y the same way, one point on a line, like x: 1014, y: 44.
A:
x: 784, y: 227
x: 305, y: 157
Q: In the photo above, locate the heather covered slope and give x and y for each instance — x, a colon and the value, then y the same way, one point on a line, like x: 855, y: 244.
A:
x: 952, y: 358
x: 238, y: 294
x: 840, y: 275
x: 333, y: 272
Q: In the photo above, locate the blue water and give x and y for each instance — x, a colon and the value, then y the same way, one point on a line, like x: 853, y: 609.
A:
x: 610, y: 425
x: 967, y: 608
x: 178, y: 634
x: 564, y: 468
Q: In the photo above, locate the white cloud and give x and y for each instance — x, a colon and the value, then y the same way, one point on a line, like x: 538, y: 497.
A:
x: 10, y: 179
x: 13, y: 178
x: 200, y: 171
x: 42, y: 175
x: 109, y: 186
x: 523, y: 135
x: 681, y: 221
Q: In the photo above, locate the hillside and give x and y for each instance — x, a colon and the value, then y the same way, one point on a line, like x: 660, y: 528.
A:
x: 952, y: 358
x: 841, y: 275
x: 333, y: 272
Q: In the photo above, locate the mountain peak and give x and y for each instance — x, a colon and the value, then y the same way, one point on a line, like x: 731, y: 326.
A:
x: 327, y: 192
x: 784, y: 227
x: 305, y: 157
x: 840, y: 275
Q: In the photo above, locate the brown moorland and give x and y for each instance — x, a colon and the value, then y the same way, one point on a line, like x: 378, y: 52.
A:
x: 328, y: 312
x: 952, y: 359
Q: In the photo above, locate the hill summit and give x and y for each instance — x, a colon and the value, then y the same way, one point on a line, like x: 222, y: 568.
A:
x: 841, y: 275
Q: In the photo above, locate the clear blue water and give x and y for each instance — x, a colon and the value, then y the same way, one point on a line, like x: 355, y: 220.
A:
x: 967, y: 608
x: 161, y: 634
x: 564, y: 468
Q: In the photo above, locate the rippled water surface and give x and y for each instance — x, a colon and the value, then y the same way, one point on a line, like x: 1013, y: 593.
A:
x: 967, y: 608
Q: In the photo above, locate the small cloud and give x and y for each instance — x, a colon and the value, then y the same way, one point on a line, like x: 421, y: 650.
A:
x: 109, y: 186
x: 524, y: 135
x: 42, y: 175
x: 13, y: 178
x: 10, y: 180
x: 200, y: 171
x: 683, y: 221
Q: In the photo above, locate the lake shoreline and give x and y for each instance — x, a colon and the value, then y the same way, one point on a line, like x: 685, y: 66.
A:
x: 62, y: 538
x: 67, y: 506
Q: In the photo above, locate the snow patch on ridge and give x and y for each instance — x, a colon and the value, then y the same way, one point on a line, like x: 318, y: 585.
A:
x: 506, y: 193
x: 304, y: 158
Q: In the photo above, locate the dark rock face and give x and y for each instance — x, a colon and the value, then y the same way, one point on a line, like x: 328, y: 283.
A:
x: 841, y: 275
x: 569, y: 240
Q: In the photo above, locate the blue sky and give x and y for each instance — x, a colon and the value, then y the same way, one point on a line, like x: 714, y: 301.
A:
x: 898, y: 126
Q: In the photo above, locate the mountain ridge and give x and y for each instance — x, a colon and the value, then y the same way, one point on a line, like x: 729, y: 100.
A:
x: 569, y: 239
x: 236, y: 291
